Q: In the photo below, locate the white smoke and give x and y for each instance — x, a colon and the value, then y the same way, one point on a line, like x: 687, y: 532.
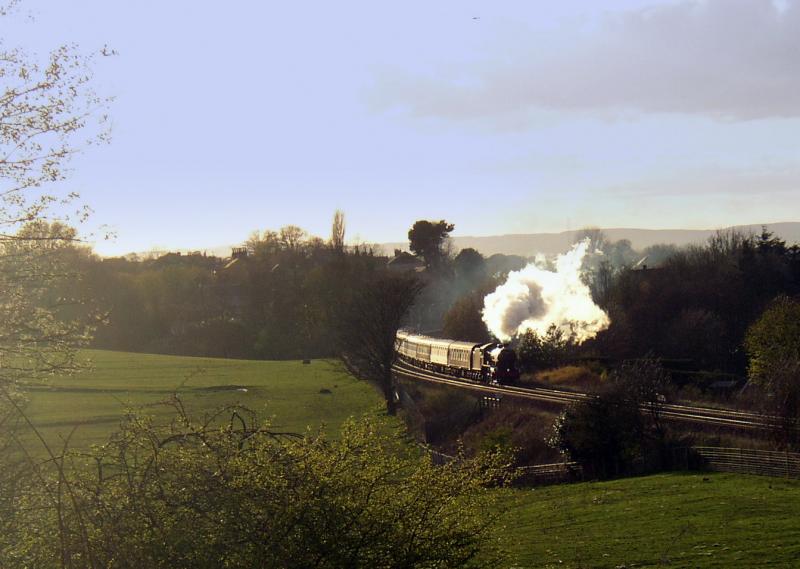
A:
x: 537, y: 298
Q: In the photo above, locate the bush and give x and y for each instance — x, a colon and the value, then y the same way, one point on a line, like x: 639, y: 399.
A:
x: 229, y: 493
x: 609, y: 433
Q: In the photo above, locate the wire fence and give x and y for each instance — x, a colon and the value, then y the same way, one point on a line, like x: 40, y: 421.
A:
x: 740, y: 460
x: 717, y: 459
x: 534, y: 475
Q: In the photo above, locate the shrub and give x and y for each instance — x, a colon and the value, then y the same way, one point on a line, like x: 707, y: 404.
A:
x: 227, y: 492
x: 610, y: 432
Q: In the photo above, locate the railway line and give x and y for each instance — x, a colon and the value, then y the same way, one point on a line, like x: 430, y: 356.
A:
x: 676, y: 412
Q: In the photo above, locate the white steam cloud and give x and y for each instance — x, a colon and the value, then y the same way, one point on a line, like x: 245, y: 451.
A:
x: 536, y: 298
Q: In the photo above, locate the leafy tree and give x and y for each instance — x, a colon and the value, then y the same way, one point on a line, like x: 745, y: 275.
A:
x: 773, y: 341
x: 463, y: 320
x: 470, y: 266
x: 612, y: 431
x: 47, y: 113
x: 657, y: 254
x: 602, y: 433
x: 710, y: 293
x: 773, y: 349
x: 427, y: 240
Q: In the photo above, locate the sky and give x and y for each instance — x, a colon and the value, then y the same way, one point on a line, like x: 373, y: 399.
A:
x: 501, y: 117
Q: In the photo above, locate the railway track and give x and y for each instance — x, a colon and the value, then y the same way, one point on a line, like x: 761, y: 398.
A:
x: 676, y: 412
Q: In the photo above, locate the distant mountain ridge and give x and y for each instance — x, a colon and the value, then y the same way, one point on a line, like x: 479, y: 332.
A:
x: 530, y: 244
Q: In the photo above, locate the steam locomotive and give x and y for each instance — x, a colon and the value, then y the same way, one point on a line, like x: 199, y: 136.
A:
x: 488, y: 363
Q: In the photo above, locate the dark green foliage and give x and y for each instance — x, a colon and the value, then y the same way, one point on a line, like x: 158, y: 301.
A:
x: 469, y: 267
x: 610, y: 433
x: 427, y: 240
x: 367, y: 324
x: 464, y: 322
x: 603, y: 433
x: 699, y: 303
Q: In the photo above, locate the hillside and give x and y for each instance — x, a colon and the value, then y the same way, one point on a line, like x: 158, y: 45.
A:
x: 674, y: 520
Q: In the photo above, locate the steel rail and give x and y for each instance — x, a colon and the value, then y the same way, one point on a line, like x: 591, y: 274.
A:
x: 707, y: 415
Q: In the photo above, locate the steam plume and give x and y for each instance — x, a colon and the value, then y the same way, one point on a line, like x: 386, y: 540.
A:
x: 536, y: 298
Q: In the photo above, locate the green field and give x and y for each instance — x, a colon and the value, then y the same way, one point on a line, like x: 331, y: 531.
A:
x: 667, y: 520
x: 294, y: 396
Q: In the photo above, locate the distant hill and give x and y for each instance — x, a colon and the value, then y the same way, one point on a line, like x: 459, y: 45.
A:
x: 529, y: 244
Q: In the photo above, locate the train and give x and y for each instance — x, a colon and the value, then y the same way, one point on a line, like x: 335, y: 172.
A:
x: 488, y: 363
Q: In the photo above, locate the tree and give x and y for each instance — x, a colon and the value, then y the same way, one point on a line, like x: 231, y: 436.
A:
x: 291, y: 237
x: 338, y: 231
x: 547, y: 351
x: 596, y: 236
x: 427, y: 240
x: 48, y: 112
x: 470, y: 266
x: 610, y: 432
x: 773, y: 350
x: 773, y: 341
x: 368, y: 326
x: 463, y: 320
x: 602, y: 433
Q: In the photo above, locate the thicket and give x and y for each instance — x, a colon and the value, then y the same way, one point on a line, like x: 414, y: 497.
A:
x: 230, y: 491
x: 621, y: 430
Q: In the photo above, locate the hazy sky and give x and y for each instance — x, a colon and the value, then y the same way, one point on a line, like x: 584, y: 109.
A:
x: 502, y: 117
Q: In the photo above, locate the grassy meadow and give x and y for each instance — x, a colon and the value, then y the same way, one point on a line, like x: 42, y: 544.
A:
x: 294, y: 396
x: 667, y: 520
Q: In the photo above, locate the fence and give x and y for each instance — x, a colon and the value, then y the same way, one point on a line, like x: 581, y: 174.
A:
x: 527, y: 475
x: 555, y: 473
x: 739, y: 460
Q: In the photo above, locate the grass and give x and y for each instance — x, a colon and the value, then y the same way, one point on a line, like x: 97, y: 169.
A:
x: 667, y: 520
x: 294, y: 395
